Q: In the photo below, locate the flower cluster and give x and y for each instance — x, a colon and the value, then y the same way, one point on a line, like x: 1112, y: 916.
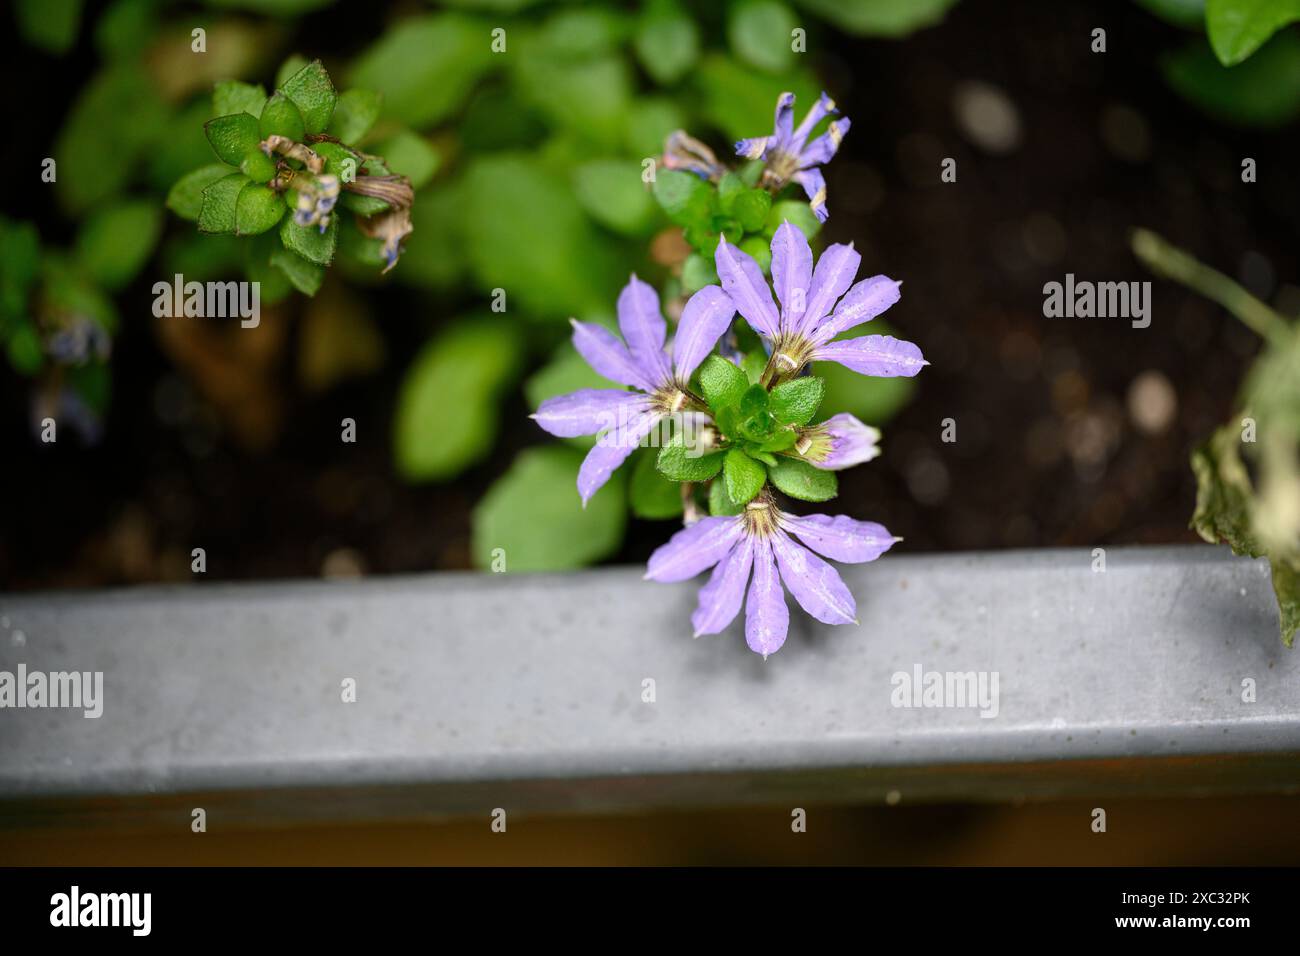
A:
x: 736, y: 430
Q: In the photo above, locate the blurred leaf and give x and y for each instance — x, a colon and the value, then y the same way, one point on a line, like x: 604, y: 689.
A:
x: 306, y: 276
x: 67, y: 291
x: 186, y: 197
x: 697, y: 272
x: 257, y: 252
x: 434, y: 254
x: 309, y: 242
x: 425, y: 66
x: 233, y: 136
x: 496, y: 119
x: 525, y: 233
x: 232, y: 96
x: 740, y: 101
x: 1262, y: 91
x: 652, y: 495
x: 795, y: 211
x: 1189, y: 14
x: 613, y: 194
x: 449, y: 403
x: 125, y: 28
x: 408, y: 154
x: 354, y: 114
x: 312, y: 92
x: 649, y: 121
x: 582, y: 33
x: 798, y: 479
x: 684, y: 197
x: 20, y: 265
x: 1237, y: 28
x: 591, y: 97
x: 533, y: 515
x: 199, y: 257
x: 667, y: 41
x: 115, y: 243
x: 880, y: 18
x: 49, y: 24
x: 117, y: 117
x: 761, y: 34
x: 180, y: 146
x: 220, y: 199
x: 24, y: 350
x: 272, y: 8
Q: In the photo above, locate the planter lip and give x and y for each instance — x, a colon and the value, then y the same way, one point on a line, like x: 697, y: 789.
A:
x: 476, y: 690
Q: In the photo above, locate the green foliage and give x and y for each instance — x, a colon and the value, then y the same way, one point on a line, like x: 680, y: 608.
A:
x: 532, y: 519
x: 880, y: 18
x: 114, y: 244
x: 667, y: 41
x: 760, y: 34
x: 49, y: 24
x: 680, y: 463
x: 744, y: 476
x: 313, y: 94
x: 1261, y: 91
x: 651, y: 495
x: 795, y: 402
x: 449, y: 403
x: 612, y: 193
x: 798, y: 479
x: 1237, y: 28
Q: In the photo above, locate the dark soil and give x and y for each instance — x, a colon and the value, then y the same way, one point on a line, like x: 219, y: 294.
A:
x: 1048, y: 452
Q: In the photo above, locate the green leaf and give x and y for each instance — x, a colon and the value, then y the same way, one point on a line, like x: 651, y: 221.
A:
x: 354, y: 114
x: 309, y: 242
x: 589, y: 97
x: 525, y: 232
x: 795, y: 402
x: 652, y: 495
x: 1286, y: 587
x: 782, y: 440
x: 186, y: 197
x: 117, y: 241
x: 754, y: 364
x: 761, y: 33
x: 681, y: 464
x: 739, y: 100
x: 409, y: 155
x: 312, y: 92
x: 280, y: 117
x: 1262, y: 91
x: 426, y: 66
x: 291, y: 65
x: 697, y: 272
x: 751, y: 208
x: 217, y: 210
x: 450, y: 399
x: 305, y: 276
x: 532, y: 519
x: 795, y: 211
x: 1189, y: 14
x: 649, y: 122
x: 685, y: 197
x: 232, y: 96
x: 49, y: 24
x: 435, y: 258
x: 612, y: 193
x: 1237, y: 28
x: 744, y: 476
x: 667, y: 41
x: 722, y: 382
x: 257, y: 210
x: 232, y: 136
x: 720, y: 502
x: 258, y: 166
x: 880, y: 18
x: 798, y: 479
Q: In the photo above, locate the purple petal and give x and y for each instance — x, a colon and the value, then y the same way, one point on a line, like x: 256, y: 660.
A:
x: 608, y: 356
x: 721, y: 598
x: 642, y: 323
x: 783, y: 121
x: 588, y: 411
x: 610, y: 451
x: 814, y: 583
x: 743, y: 280
x: 880, y: 355
x: 767, y: 619
x: 814, y: 187
x: 824, y: 107
x: 836, y: 270
x: 850, y: 443
x: 821, y: 150
x: 866, y: 300
x: 693, y: 549
x: 705, y: 317
x: 841, y: 538
x: 792, y: 267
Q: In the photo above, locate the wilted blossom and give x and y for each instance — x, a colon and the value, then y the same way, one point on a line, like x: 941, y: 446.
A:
x: 810, y: 317
x: 683, y: 151
x: 658, y: 376
x: 839, y: 442
x: 790, y: 157
x: 316, y: 199
x: 759, y: 540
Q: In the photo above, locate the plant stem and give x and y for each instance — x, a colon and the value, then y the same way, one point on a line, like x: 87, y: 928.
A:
x: 1170, y: 262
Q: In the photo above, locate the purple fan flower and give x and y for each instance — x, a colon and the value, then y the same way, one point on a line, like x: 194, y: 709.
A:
x: 789, y: 155
x: 839, y: 442
x: 809, y: 317
x: 623, y: 418
x: 759, y: 540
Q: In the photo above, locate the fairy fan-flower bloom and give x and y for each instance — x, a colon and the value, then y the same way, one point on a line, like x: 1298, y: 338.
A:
x: 759, y: 540
x: 839, y: 442
x: 623, y: 418
x: 788, y: 154
x: 810, y: 317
